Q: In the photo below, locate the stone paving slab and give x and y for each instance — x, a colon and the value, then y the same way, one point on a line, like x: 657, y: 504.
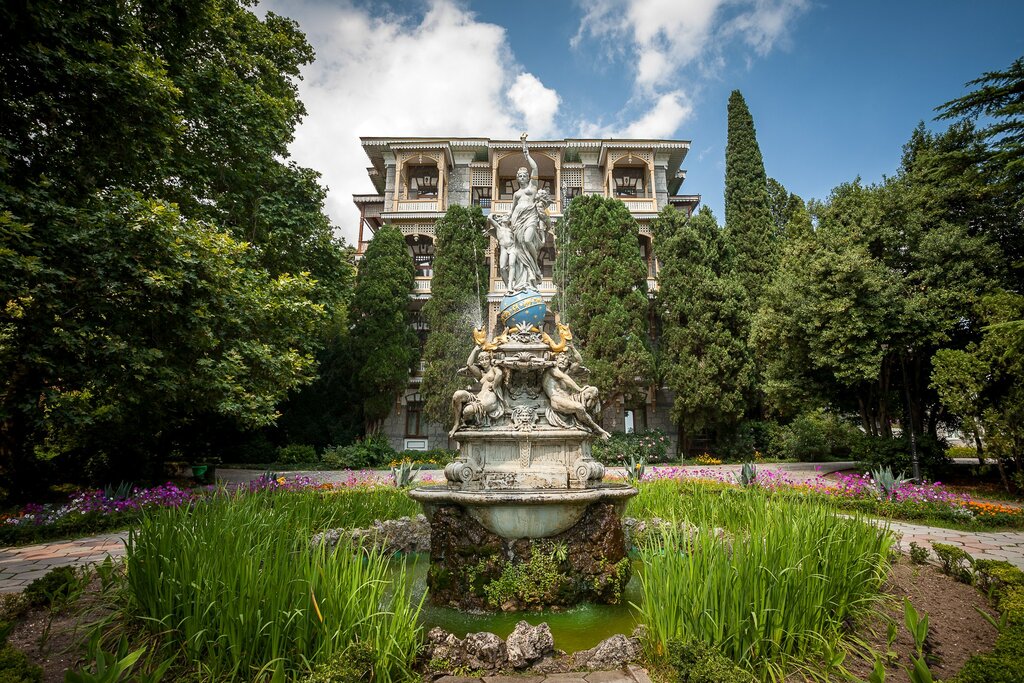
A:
x: 20, y: 566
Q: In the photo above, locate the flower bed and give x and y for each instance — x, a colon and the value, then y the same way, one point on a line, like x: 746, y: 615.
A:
x: 928, y: 501
x: 97, y: 511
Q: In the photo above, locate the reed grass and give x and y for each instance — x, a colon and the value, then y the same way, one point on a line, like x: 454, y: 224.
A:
x: 235, y: 586
x: 772, y: 582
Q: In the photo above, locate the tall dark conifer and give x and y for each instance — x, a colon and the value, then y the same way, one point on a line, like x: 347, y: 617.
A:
x: 703, y: 313
x: 456, y: 305
x: 748, y: 221
x: 382, y: 338
x: 605, y: 295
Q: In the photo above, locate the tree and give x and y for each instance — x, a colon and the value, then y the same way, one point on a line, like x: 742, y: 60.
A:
x: 892, y: 273
x: 825, y: 320
x: 382, y: 339
x: 984, y: 383
x: 703, y: 354
x: 1000, y: 95
x: 605, y: 297
x: 457, y: 304
x: 110, y: 117
x: 122, y: 313
x: 749, y: 228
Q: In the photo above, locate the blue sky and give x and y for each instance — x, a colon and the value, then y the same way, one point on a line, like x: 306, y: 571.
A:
x: 835, y: 88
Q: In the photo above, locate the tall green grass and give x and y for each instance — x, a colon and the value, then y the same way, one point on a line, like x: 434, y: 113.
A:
x: 771, y: 581
x: 236, y: 587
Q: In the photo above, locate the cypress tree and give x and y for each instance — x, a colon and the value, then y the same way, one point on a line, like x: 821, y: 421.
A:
x: 605, y: 295
x: 704, y: 314
x: 456, y: 305
x: 748, y: 221
x: 382, y: 339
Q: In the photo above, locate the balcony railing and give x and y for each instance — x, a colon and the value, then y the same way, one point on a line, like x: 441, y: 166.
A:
x: 422, y: 285
x: 641, y: 205
x: 432, y: 204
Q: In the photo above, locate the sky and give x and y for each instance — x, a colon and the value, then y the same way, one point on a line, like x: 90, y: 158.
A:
x: 835, y: 87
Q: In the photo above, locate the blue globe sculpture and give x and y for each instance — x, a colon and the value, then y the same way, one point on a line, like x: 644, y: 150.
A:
x: 522, y: 309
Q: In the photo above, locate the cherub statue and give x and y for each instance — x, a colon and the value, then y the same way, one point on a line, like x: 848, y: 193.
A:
x: 568, y: 400
x: 488, y: 403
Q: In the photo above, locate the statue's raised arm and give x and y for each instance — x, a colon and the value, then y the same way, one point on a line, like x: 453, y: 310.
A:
x: 534, y: 174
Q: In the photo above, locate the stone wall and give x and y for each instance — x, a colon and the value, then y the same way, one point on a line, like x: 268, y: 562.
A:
x: 472, y: 568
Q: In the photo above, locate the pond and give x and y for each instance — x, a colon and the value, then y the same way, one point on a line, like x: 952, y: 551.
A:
x: 574, y: 629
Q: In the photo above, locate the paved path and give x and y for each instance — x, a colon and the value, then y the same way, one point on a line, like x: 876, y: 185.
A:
x: 21, y: 565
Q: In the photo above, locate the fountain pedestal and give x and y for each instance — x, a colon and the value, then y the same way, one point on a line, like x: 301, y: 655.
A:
x: 525, y: 520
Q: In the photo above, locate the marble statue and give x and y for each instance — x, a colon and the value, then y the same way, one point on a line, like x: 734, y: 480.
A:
x: 522, y: 232
x: 568, y: 400
x: 488, y: 403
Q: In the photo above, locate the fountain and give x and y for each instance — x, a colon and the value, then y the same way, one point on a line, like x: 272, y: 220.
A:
x: 525, y: 520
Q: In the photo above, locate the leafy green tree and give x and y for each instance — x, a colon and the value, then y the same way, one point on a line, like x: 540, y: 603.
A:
x: 860, y: 305
x: 703, y: 354
x: 126, y: 323
x: 984, y: 383
x: 823, y: 324
x: 749, y: 227
x: 1000, y: 95
x: 382, y: 339
x: 108, y: 116
x: 605, y: 298
x: 457, y: 304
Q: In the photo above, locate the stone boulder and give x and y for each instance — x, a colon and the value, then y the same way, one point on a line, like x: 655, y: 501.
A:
x: 528, y: 645
x: 402, y: 535
x: 611, y: 653
x: 485, y: 651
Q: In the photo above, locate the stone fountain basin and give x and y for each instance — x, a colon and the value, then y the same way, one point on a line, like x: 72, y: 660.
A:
x: 523, y: 513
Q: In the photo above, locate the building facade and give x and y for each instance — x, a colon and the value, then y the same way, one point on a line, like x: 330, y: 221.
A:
x: 417, y: 179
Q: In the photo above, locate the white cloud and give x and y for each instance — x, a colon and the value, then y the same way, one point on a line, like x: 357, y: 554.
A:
x: 662, y: 120
x: 443, y: 72
x: 664, y: 37
x: 537, y: 104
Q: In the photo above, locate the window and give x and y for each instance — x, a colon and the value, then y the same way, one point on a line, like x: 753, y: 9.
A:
x: 628, y: 181
x: 414, y: 423
x: 422, y: 181
x: 572, y: 192
x: 482, y: 197
x: 423, y: 256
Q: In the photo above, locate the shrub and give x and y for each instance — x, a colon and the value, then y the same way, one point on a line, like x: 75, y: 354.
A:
x: 435, y: 456
x: 750, y: 436
x: 818, y: 436
x: 875, y: 452
x: 352, y: 666
x: 955, y: 562
x: 962, y: 452
x: 55, y: 588
x: 997, y: 577
x: 651, y: 446
x: 294, y: 454
x: 918, y: 554
x: 15, y: 667
x: 991, y: 669
x: 707, y: 459
x: 699, y: 662
x: 257, y: 450
x: 372, y: 452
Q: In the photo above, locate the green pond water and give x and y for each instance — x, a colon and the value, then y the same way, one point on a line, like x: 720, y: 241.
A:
x: 577, y: 628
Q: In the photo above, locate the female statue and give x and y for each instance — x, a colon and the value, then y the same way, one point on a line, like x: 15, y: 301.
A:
x: 488, y: 403
x: 528, y: 228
